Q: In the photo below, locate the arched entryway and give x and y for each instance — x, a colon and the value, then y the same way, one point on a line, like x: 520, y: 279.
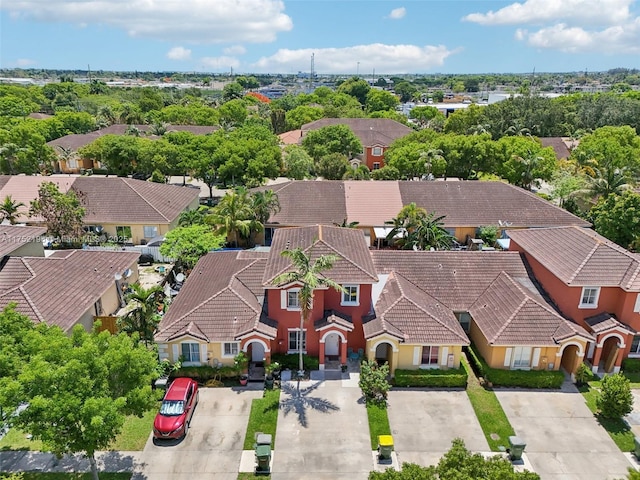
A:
x: 256, y: 351
x: 570, y: 360
x: 384, y: 353
x: 610, y: 352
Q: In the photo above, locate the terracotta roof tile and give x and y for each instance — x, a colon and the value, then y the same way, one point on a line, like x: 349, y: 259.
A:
x: 581, y: 257
x: 507, y: 314
x: 332, y: 317
x: 365, y: 204
x: 455, y: 278
x: 354, y: 264
x: 309, y: 203
x: 605, y: 321
x: 406, y: 311
x: 13, y: 237
x: 61, y: 288
x: 370, y: 131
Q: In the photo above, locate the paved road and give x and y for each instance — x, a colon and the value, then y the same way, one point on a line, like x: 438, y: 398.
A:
x: 322, y: 432
x: 424, y: 422
x: 213, y: 446
x: 564, y: 440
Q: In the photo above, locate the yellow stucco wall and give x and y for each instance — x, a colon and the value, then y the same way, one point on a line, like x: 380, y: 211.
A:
x: 214, y: 351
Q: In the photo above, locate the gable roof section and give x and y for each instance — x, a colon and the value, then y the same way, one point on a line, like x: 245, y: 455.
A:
x: 370, y: 131
x: 59, y: 289
x: 405, y: 311
x: 506, y: 314
x: 216, y: 301
x: 471, y: 203
x: 463, y: 203
x: 581, y: 257
x: 456, y: 279
x: 13, y: 237
x: 24, y: 188
x: 354, y: 264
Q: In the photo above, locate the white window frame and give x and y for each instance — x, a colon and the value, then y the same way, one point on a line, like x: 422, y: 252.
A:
x: 297, y: 340
x: 346, y: 301
x: 636, y: 306
x: 376, y: 151
x: 635, y: 353
x: 586, y: 294
x: 190, y: 360
x: 72, y: 163
x: 291, y: 306
x: 155, y: 230
x: 234, y: 348
x: 376, y: 165
x: 430, y: 363
x: 519, y: 356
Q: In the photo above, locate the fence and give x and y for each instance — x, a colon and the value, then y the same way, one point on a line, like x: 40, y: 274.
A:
x: 142, y: 249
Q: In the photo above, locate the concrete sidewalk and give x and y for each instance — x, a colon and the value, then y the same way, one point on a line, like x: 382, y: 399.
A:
x: 25, y: 461
x: 323, y: 431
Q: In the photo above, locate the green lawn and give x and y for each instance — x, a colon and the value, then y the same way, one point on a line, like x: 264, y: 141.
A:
x: 493, y: 420
x: 65, y: 476
x: 263, y: 417
x: 251, y: 476
x: 616, y: 428
x: 378, y: 423
x: 134, y: 435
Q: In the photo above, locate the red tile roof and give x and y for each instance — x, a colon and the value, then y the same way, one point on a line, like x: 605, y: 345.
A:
x: 405, y: 311
x: 59, y: 289
x: 13, y: 237
x: 354, y: 264
x: 581, y: 257
x: 370, y: 131
x: 108, y: 199
x: 509, y: 314
x: 463, y: 203
x: 216, y: 302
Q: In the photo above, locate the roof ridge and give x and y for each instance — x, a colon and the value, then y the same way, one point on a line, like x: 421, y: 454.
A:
x: 584, y: 262
x: 126, y: 182
x: 509, y: 320
x: 31, y: 304
x: 237, y: 294
x: 189, y: 312
x: 340, y: 255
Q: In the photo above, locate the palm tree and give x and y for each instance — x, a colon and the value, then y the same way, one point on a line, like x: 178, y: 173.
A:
x: 143, y: 316
x: 608, y: 180
x: 234, y: 216
x: 9, y: 209
x: 347, y: 224
x: 9, y: 153
x: 307, y: 274
x: 265, y: 204
x: 529, y: 163
x: 196, y: 216
x: 418, y: 230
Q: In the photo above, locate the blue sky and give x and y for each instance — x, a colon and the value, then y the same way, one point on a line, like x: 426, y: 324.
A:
x: 352, y: 36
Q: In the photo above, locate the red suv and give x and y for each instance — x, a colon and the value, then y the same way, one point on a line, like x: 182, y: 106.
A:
x: 176, y: 410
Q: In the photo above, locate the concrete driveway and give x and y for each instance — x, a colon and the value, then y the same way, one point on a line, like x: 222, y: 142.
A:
x: 564, y: 440
x: 322, y: 433
x: 424, y: 422
x: 213, y: 446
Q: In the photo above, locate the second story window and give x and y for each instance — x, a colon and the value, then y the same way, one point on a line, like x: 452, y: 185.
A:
x: 351, y: 295
x: 589, y: 298
x: 293, y: 299
x: 376, y: 151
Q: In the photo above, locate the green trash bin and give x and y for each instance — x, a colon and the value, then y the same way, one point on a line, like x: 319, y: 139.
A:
x: 263, y: 459
x: 385, y: 446
x: 636, y: 447
x: 516, y: 448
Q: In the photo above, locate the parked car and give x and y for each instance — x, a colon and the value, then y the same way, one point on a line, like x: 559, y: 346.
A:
x: 145, y: 259
x: 176, y: 411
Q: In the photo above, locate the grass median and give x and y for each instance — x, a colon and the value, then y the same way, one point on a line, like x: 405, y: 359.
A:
x: 378, y: 422
x: 493, y: 421
x: 263, y: 417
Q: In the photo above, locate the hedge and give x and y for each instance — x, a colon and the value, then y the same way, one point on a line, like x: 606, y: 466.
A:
x: 431, y: 378
x: 291, y: 361
x: 514, y: 378
x: 205, y: 372
x: 631, y: 365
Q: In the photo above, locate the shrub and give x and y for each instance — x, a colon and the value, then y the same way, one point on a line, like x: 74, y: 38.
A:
x: 205, y: 372
x: 431, y: 378
x: 631, y: 365
x: 615, y: 399
x: 373, y: 381
x: 514, y: 378
x: 290, y: 361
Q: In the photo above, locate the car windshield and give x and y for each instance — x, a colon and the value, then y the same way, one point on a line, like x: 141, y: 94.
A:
x: 172, y: 407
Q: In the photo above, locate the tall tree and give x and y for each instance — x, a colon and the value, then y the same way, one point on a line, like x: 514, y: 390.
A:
x: 265, y: 203
x: 233, y: 216
x: 617, y: 218
x: 142, y: 316
x: 331, y: 139
x: 187, y: 244
x: 63, y: 213
x: 416, y: 229
x: 78, y: 388
x: 9, y: 209
x: 308, y: 274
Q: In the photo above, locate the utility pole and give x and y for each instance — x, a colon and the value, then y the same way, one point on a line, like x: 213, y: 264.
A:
x: 312, y: 74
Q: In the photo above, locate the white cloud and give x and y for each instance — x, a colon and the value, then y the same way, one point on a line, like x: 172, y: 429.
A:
x: 382, y: 58
x: 398, y: 13
x: 620, y: 39
x: 221, y: 64
x: 594, y: 12
x: 25, y: 62
x: 179, y: 53
x: 194, y: 21
x: 235, y: 50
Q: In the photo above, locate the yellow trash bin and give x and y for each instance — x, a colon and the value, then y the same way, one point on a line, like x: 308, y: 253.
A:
x: 385, y: 446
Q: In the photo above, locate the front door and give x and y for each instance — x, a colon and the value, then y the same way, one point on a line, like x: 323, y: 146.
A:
x: 332, y: 345
x: 257, y: 352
